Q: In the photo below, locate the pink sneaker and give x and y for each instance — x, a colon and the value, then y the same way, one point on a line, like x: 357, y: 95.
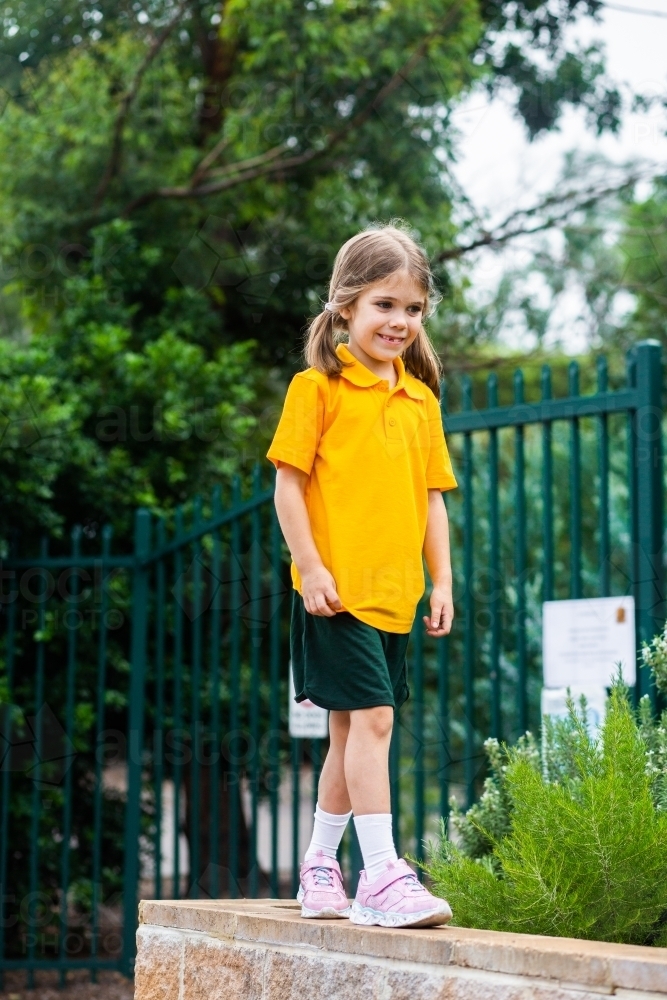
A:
x: 397, y: 899
x: 321, y: 892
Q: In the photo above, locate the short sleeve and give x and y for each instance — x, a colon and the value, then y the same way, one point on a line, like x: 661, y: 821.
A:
x: 439, y: 472
x: 300, y: 426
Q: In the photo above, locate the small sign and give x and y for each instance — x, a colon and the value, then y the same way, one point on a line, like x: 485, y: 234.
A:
x: 554, y: 703
x: 583, y: 642
x: 306, y: 721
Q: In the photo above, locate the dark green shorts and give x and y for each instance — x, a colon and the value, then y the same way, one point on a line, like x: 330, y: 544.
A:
x: 341, y: 663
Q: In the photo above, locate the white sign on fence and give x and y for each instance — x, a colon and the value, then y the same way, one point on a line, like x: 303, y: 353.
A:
x: 306, y: 721
x: 584, y: 640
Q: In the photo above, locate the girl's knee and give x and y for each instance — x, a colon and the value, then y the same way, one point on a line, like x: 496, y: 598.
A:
x: 378, y: 721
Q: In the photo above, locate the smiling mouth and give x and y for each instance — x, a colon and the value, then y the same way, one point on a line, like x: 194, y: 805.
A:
x: 391, y: 340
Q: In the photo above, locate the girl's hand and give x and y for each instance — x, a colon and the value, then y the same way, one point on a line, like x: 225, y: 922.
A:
x: 442, y: 613
x: 319, y: 593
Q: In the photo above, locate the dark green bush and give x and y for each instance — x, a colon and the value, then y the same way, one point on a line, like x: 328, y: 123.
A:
x: 570, y: 836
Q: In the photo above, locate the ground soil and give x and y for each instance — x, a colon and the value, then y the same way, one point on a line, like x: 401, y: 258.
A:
x: 110, y: 986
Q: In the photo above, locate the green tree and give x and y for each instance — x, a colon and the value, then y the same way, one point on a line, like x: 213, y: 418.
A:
x: 174, y: 181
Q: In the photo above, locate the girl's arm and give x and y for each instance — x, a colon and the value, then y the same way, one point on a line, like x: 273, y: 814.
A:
x: 436, y: 553
x: 317, y: 584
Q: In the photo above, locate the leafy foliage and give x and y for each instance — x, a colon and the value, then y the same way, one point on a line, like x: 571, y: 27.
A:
x: 102, y: 413
x: 175, y: 136
x: 570, y: 838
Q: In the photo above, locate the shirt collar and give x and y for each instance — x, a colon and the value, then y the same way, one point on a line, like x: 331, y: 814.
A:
x: 357, y: 373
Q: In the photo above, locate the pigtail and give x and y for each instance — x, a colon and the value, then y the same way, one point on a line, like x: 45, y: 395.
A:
x: 421, y: 360
x: 320, y: 347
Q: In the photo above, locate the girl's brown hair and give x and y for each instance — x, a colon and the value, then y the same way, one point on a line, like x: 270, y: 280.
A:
x: 369, y: 257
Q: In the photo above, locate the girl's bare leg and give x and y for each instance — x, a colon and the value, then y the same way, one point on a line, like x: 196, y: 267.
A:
x: 332, y: 795
x: 367, y: 760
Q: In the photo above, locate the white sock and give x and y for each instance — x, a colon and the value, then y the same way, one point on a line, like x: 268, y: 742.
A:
x: 376, y: 841
x: 327, y: 833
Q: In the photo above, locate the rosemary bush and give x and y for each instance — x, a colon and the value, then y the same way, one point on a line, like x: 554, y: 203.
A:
x: 569, y: 837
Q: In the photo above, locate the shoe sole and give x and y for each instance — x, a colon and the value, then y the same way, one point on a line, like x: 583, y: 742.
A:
x: 326, y: 913
x: 379, y: 918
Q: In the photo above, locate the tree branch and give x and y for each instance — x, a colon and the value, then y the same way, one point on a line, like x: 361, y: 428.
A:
x: 208, y: 161
x: 572, y: 201
x: 254, y: 161
x: 127, y: 101
x: 269, y: 163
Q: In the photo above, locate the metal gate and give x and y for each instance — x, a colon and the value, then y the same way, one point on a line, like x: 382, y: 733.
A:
x: 145, y: 746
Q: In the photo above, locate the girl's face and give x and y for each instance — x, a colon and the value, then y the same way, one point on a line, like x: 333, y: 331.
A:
x: 386, y: 317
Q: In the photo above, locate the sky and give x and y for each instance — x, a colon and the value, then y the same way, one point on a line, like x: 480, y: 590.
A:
x: 500, y: 170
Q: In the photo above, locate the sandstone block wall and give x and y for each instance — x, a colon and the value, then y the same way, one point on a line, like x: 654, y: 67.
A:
x: 263, y: 950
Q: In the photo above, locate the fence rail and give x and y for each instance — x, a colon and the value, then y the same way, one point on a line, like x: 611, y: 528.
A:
x: 145, y: 743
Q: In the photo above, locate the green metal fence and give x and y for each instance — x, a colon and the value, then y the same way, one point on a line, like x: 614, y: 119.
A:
x: 145, y: 747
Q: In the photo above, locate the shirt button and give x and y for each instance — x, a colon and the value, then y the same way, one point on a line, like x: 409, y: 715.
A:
x: 392, y: 421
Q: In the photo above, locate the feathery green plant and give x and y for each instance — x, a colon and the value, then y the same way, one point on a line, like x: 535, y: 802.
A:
x: 569, y: 837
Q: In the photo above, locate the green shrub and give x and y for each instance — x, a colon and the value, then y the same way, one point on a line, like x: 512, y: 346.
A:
x: 570, y: 836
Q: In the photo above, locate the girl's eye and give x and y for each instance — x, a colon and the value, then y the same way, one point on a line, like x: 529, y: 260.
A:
x: 387, y: 305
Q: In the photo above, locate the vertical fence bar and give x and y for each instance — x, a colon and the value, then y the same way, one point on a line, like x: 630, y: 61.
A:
x: 69, y: 729
x: 418, y: 726
x: 575, y: 488
x: 255, y: 648
x: 520, y: 560
x: 547, y: 496
x: 443, y: 708
x: 107, y: 533
x: 138, y: 646
x: 494, y: 564
x: 158, y: 737
x: 631, y: 378
x: 443, y: 683
x: 195, y: 697
x: 35, y: 811
x: 296, y: 804
x: 216, y: 569
x: 274, y: 669
x: 178, y: 697
x: 469, y: 608
x: 7, y: 722
x: 603, y: 472
x: 650, y: 571
x: 235, y: 652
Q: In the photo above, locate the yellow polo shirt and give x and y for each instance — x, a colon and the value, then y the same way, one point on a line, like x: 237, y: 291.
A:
x: 371, y: 454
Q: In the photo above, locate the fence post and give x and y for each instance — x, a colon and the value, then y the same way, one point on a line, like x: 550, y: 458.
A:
x: 142, y: 545
x: 648, y: 444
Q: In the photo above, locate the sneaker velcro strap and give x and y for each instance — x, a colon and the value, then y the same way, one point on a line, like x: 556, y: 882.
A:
x: 398, y: 871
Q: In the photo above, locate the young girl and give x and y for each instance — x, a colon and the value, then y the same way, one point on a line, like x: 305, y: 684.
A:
x: 361, y: 466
